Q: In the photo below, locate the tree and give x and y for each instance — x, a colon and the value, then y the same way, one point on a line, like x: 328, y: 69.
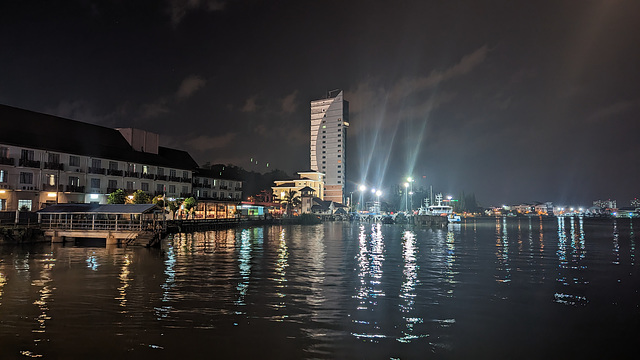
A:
x: 189, y: 203
x: 117, y: 197
x: 173, y: 206
x: 291, y: 200
x: 141, y: 197
x: 158, y: 200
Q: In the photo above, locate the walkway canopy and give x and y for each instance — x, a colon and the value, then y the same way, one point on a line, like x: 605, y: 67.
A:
x: 100, y: 217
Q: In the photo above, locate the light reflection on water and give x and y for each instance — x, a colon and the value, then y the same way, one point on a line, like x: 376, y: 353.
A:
x: 336, y: 290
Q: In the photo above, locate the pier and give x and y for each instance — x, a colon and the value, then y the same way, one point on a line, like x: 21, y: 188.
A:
x: 139, y: 224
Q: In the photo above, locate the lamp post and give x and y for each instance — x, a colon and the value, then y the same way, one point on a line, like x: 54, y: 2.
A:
x: 406, y: 197
x: 362, y: 189
x: 410, y: 181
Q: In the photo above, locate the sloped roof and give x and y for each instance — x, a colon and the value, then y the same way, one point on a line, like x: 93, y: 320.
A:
x: 25, y: 128
x: 101, y: 209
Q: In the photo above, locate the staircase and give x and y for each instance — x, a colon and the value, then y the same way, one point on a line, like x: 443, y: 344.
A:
x: 144, y: 238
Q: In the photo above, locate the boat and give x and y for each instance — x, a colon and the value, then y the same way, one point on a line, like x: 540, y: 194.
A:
x: 439, y: 210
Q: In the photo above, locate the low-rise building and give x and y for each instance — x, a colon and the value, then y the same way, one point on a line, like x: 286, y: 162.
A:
x: 46, y: 159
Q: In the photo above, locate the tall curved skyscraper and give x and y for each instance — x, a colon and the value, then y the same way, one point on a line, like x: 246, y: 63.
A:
x: 329, y: 124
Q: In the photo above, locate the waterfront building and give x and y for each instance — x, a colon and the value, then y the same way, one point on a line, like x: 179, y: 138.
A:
x: 209, y: 185
x: 309, y: 178
x: 328, y: 152
x: 46, y: 159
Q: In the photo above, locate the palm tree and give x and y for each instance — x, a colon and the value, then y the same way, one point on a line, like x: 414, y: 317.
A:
x: 291, y: 199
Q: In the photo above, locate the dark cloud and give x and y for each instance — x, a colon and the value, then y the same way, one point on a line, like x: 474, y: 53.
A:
x: 514, y: 101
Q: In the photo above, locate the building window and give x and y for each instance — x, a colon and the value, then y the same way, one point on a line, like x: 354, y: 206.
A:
x: 324, y: 142
x: 172, y: 189
x: 160, y: 171
x: 74, y: 181
x: 96, y: 163
x: 205, y: 194
x: 339, y: 171
x: 339, y: 182
x: 26, y: 178
x: 26, y: 154
x: 4, y: 152
x: 95, y: 183
x: 339, y: 166
x: 339, y: 134
x: 185, y: 175
x: 324, y: 131
x: 172, y: 173
x: 54, y: 158
x: 324, y: 162
x: 324, y: 152
x: 3, y: 205
x: 131, y: 167
x: 185, y: 189
x: 145, y: 169
x: 160, y: 188
x: 24, y: 204
x: 3, y: 176
x: 74, y: 160
x: 130, y: 185
x: 324, y: 147
x: 324, y: 137
x: 144, y: 186
x: 324, y: 157
x: 112, y: 184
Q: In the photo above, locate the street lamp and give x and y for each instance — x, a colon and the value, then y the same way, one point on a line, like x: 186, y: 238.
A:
x: 406, y: 198
x: 362, y: 189
x: 410, y: 181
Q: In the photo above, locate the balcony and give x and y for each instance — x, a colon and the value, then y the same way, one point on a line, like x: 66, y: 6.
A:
x: 185, y: 195
x: 223, y: 187
x: 114, y: 172
x: 75, y: 188
x: 174, y: 178
x: 29, y: 163
x: 7, y: 161
x: 158, y: 193
x: 57, y: 188
x: 53, y: 166
x: 185, y: 180
x: 93, y: 170
x: 132, y: 174
x: 147, y: 176
x: 161, y: 177
x: 110, y: 190
x: 238, y: 189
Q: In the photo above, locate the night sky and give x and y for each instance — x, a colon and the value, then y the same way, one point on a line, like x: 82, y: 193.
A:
x: 515, y: 101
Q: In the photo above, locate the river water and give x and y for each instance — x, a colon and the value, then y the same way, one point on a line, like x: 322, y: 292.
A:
x: 505, y: 288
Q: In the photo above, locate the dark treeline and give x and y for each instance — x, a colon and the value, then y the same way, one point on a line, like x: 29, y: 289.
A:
x: 253, y: 183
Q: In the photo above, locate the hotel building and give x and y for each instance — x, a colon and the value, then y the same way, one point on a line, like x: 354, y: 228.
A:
x: 46, y: 159
x: 329, y: 123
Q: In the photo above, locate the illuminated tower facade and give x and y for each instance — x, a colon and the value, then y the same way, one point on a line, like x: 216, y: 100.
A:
x: 329, y: 124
